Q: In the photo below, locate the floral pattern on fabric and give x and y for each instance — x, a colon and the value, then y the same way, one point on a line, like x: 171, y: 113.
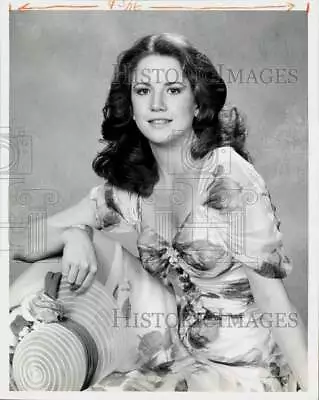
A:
x: 107, y: 213
x: 220, y: 344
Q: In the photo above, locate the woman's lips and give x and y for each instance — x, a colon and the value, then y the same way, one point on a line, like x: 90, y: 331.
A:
x: 159, y: 122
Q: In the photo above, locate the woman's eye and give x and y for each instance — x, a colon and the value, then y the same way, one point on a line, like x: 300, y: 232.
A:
x: 142, y: 91
x: 174, y: 90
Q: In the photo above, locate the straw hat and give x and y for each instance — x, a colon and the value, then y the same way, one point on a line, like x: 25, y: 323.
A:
x: 70, y: 342
x: 62, y: 341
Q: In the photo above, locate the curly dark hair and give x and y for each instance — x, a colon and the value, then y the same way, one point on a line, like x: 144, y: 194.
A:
x: 127, y: 160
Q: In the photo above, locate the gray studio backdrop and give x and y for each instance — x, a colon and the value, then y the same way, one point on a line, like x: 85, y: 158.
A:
x: 61, y: 64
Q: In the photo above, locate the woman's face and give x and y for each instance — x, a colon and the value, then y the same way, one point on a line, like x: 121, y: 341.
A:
x: 162, y: 99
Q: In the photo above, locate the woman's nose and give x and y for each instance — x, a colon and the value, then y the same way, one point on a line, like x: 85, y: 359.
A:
x: 158, y: 102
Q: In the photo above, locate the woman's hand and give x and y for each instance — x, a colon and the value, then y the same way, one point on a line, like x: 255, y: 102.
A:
x: 79, y: 264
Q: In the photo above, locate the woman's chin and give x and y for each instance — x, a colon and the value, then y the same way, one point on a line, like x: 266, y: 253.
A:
x: 165, y: 136
x: 164, y: 141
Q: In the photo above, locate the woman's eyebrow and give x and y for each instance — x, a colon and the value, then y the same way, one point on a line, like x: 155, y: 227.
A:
x: 174, y: 83
x: 165, y: 84
x: 141, y: 83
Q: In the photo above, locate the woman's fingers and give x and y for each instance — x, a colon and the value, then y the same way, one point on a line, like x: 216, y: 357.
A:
x: 88, y: 280
x: 73, y: 273
x: 84, y: 269
x: 79, y: 276
x: 70, y: 272
x: 65, y: 268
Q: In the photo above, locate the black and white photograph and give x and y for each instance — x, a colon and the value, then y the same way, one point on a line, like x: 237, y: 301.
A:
x: 158, y: 201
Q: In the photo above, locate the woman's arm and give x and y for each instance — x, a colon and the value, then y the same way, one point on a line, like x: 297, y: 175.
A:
x: 57, y: 229
x: 271, y: 297
x: 256, y: 243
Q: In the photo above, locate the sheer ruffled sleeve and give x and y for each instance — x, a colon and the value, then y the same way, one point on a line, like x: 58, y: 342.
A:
x: 114, y: 209
x: 240, y: 210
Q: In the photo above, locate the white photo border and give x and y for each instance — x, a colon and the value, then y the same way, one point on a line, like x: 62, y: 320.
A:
x: 313, y: 179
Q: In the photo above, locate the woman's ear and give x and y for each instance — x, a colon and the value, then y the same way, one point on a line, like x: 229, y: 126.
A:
x: 196, y: 112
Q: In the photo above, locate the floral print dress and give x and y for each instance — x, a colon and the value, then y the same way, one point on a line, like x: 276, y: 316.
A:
x: 220, y: 340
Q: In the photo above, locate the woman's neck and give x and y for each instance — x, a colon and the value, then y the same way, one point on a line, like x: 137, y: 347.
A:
x: 174, y: 161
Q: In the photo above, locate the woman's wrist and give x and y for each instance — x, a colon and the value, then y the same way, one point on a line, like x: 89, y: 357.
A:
x: 79, y: 229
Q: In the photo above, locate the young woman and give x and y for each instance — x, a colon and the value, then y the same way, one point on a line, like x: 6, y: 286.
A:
x: 177, y: 172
